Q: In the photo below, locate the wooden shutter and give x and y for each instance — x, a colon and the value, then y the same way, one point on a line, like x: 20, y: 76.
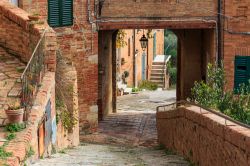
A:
x: 60, y: 13
x: 242, y: 71
x: 67, y: 12
x: 53, y: 13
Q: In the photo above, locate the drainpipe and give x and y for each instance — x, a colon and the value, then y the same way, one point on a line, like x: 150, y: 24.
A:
x: 219, y: 33
x: 147, y: 64
x: 134, y: 63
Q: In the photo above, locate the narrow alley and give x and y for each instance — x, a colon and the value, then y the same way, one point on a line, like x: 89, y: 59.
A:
x: 127, y: 137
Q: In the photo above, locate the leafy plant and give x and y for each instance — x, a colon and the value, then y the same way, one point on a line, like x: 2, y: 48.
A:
x: 172, y: 71
x: 11, y: 136
x: 150, y: 34
x: 14, y: 106
x: 62, y: 151
x: 30, y: 152
x: 212, y: 94
x: 4, y: 154
x: 126, y: 74
x: 120, y: 39
x: 136, y: 89
x: 68, y: 120
x: 15, y: 127
x: 145, y: 84
x: 123, y: 61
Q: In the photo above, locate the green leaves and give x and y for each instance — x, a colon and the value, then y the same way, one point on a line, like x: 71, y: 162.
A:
x: 120, y: 39
x: 145, y: 84
x: 15, y: 127
x: 211, y: 94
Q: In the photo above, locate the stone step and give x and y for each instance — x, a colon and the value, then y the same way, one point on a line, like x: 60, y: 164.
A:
x: 158, y: 71
x: 158, y: 63
x: 158, y: 67
x: 16, y: 90
x: 156, y: 78
x: 158, y: 81
x: 156, y: 74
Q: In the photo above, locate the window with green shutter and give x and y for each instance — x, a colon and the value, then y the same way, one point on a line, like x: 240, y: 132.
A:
x: 242, y: 71
x: 60, y: 13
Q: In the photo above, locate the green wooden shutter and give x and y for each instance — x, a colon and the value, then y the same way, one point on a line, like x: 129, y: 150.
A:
x: 67, y: 13
x: 60, y: 13
x: 242, y: 71
x: 53, y: 13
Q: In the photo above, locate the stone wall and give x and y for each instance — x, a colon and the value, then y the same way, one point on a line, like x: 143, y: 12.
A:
x: 28, y: 138
x: 78, y: 45
x: 158, y: 8
x: 17, y: 34
x: 235, y: 41
x: 203, y: 137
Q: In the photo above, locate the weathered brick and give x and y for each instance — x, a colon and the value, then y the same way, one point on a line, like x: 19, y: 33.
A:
x: 207, y: 142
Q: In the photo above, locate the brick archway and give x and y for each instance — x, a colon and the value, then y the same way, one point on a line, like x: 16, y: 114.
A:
x: 197, y: 46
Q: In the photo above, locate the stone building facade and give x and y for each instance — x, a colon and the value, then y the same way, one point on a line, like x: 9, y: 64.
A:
x: 143, y: 59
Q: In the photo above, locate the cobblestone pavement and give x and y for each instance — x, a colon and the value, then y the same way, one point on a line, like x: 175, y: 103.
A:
x: 134, y: 123
x: 128, y: 137
x: 11, y: 69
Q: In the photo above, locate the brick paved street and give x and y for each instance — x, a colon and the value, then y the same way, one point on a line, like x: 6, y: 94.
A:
x: 126, y: 138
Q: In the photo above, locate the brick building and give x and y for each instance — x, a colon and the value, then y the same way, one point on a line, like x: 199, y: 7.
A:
x: 143, y: 59
x: 207, y: 31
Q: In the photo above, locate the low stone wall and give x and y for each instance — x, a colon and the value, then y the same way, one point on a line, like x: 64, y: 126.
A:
x: 204, y: 137
x: 19, y: 36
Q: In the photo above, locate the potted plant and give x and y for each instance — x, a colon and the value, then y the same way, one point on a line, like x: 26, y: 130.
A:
x: 34, y: 17
x: 15, y: 113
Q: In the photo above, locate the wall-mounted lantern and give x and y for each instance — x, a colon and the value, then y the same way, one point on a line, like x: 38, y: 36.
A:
x: 144, y: 42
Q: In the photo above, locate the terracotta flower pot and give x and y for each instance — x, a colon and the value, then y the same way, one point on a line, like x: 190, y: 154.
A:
x: 15, y: 116
x: 34, y: 17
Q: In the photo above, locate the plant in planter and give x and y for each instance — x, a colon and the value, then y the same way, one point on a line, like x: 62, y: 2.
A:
x: 15, y: 113
x: 34, y: 17
x: 150, y: 34
x: 124, y: 76
x: 122, y: 61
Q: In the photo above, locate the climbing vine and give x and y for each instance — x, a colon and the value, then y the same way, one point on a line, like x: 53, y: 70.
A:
x: 120, y: 39
x: 66, y: 112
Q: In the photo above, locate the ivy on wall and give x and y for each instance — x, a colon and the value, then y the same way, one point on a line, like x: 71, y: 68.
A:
x: 120, y: 39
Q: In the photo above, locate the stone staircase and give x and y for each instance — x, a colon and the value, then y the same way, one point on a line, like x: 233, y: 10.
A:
x: 11, y: 69
x: 158, y: 71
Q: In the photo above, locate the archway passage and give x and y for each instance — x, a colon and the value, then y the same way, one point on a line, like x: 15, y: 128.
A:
x: 196, y: 48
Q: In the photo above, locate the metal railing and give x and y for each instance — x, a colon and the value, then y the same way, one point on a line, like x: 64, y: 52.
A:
x: 203, y: 110
x: 32, y: 75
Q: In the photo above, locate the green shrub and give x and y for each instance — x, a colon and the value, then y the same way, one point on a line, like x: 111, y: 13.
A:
x: 148, y: 85
x: 173, y: 75
x: 10, y: 136
x: 211, y: 94
x: 126, y: 74
x: 4, y: 154
x: 15, y: 127
x: 30, y: 152
x: 135, y: 89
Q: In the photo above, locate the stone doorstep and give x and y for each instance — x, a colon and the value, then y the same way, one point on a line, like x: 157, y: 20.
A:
x: 16, y: 90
